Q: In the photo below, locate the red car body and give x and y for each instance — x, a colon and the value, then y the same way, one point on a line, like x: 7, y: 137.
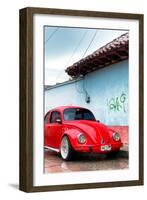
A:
x: 83, y: 134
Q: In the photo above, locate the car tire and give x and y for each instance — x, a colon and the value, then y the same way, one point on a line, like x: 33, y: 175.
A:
x: 66, y: 149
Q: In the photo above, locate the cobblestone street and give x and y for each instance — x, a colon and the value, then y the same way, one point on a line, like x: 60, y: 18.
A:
x: 83, y: 162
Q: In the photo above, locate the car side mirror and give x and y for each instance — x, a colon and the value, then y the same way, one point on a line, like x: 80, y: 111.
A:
x: 59, y: 121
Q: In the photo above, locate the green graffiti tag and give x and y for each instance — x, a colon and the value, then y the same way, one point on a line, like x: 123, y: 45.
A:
x: 117, y: 103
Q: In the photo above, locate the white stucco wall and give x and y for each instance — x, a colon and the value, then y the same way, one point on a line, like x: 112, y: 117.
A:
x: 108, y: 91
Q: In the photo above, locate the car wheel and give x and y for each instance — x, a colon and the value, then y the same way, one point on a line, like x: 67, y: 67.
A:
x: 66, y: 149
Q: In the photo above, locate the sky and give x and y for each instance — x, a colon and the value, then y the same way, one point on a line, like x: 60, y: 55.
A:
x: 64, y: 46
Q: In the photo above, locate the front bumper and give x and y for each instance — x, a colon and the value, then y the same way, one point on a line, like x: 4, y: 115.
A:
x: 104, y: 148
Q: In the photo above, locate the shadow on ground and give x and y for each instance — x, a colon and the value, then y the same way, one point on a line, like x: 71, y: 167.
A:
x: 14, y: 185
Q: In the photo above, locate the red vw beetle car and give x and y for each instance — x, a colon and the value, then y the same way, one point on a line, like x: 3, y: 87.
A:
x: 70, y: 129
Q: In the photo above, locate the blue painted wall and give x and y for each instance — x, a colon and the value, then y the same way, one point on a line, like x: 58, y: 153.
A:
x: 108, y: 91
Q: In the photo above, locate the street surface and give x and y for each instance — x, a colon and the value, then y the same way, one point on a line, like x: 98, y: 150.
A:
x: 83, y: 162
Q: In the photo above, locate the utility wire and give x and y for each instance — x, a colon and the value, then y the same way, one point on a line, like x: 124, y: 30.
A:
x: 52, y: 34
x: 90, y: 43
x: 76, y: 48
x: 74, y: 51
x: 84, y: 89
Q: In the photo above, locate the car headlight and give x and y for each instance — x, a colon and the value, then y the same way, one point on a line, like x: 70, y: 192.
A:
x: 81, y: 139
x: 116, y: 136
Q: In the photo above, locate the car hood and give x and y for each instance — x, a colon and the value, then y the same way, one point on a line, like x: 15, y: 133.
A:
x: 98, y: 132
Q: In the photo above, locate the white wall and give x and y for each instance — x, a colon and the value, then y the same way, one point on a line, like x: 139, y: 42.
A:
x: 9, y: 40
x: 106, y: 87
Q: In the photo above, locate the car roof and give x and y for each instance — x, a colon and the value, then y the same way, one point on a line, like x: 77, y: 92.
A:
x: 61, y: 108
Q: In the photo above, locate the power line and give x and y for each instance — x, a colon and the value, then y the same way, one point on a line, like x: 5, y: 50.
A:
x: 90, y: 43
x: 52, y: 35
x: 79, y: 43
x: 74, y: 51
x: 84, y: 89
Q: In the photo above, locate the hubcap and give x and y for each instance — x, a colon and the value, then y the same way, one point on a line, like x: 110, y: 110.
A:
x: 64, y: 148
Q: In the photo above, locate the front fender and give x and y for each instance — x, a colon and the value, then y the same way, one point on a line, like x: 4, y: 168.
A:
x: 73, y: 134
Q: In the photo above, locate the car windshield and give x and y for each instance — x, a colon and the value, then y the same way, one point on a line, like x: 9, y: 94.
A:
x: 78, y: 114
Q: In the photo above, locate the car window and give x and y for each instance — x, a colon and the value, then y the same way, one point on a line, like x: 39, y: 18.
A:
x: 46, y: 120
x: 54, y: 116
x: 78, y: 114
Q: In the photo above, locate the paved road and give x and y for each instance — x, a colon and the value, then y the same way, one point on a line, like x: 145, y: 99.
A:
x: 83, y: 162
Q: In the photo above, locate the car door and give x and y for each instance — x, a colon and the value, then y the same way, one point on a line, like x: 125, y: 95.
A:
x: 54, y: 130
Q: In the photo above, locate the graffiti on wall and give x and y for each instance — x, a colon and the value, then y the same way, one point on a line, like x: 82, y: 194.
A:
x: 118, y: 103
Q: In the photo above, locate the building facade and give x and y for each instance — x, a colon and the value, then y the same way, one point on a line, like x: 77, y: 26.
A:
x: 104, y: 91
